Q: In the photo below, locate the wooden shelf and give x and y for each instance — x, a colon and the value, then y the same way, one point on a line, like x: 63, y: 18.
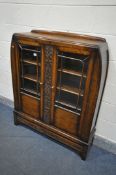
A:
x: 58, y: 106
x: 67, y: 105
x: 72, y: 72
x: 29, y: 61
x: 35, y: 96
x: 69, y: 89
x: 30, y: 91
x: 30, y: 77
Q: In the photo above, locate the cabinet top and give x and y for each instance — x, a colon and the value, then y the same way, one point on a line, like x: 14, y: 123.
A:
x: 64, y: 37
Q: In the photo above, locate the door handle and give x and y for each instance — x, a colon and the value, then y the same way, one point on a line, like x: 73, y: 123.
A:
x: 41, y: 83
x: 53, y: 87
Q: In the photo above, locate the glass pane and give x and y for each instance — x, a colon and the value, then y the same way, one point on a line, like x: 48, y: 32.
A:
x: 30, y: 53
x: 30, y: 69
x: 69, y: 64
x: 80, y: 102
x: 71, y: 79
x: 30, y: 87
x: 67, y: 98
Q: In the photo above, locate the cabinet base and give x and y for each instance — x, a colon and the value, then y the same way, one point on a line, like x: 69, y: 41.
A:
x: 72, y: 142
x: 16, y: 121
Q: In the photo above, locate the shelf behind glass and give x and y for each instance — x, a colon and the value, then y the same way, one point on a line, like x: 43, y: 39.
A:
x: 30, y: 87
x: 68, y: 101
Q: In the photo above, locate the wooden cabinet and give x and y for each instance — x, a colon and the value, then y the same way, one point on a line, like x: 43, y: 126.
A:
x: 58, y: 82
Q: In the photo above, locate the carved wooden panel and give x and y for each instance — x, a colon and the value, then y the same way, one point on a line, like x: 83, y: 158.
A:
x: 48, y: 82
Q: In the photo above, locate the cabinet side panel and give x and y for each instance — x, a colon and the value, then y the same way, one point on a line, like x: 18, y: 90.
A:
x: 88, y: 112
x: 15, y: 73
x: 104, y: 55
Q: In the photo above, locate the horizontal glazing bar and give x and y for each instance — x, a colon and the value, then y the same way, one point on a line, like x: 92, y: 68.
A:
x: 67, y: 110
x: 38, y: 97
x: 30, y: 91
x: 62, y: 56
x: 30, y: 62
x: 32, y: 50
x: 67, y: 105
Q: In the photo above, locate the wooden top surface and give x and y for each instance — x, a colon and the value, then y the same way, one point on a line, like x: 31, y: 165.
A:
x: 65, y: 37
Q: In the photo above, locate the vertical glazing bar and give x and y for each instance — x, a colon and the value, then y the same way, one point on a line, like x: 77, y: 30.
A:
x: 37, y: 75
x: 54, y: 83
x: 80, y: 85
x: 81, y: 81
x: 42, y: 76
x: 59, y: 92
x: 22, y: 71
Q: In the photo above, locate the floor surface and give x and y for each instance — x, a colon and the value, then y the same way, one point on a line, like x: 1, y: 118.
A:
x: 24, y: 152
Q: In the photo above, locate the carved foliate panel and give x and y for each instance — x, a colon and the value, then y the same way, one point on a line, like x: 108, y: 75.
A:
x: 48, y: 82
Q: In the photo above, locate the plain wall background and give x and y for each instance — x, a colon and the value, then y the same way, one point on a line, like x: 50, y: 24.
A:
x: 93, y: 17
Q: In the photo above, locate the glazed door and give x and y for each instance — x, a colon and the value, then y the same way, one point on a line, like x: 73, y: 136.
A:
x: 29, y: 66
x: 69, y: 86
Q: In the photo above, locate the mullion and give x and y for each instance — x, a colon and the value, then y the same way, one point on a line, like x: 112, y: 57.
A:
x: 59, y: 94
x: 37, y: 85
x: 80, y: 85
x: 22, y: 71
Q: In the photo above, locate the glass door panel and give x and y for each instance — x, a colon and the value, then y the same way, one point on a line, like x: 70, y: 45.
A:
x: 71, y: 79
x: 30, y: 69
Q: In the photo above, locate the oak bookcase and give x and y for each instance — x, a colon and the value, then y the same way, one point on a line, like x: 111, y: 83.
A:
x: 58, y: 81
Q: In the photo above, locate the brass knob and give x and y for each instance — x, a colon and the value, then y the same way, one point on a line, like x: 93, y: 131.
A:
x: 41, y: 83
x: 52, y: 87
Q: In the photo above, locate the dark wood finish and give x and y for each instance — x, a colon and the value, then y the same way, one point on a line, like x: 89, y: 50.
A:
x: 27, y: 103
x: 66, y: 121
x: 47, y: 82
x: 59, y: 97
